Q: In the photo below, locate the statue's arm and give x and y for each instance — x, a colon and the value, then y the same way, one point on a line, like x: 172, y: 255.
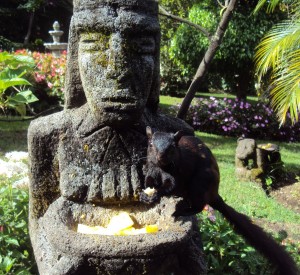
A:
x: 43, y: 137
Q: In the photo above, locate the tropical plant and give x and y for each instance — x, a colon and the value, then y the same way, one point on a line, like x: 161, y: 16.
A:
x: 278, y: 59
x: 12, y: 82
x: 228, y: 253
x: 16, y: 255
x: 232, y: 67
x: 48, y: 76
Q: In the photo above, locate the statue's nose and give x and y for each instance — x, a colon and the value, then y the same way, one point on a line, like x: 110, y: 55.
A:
x: 116, y: 59
x: 118, y: 67
x: 114, y: 66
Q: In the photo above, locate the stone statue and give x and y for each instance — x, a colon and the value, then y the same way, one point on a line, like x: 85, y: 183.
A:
x: 86, y: 161
x: 255, y: 162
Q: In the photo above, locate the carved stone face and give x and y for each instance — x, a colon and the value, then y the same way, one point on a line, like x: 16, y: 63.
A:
x: 117, y: 63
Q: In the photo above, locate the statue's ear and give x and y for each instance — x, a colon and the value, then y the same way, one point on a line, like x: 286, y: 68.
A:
x: 178, y: 135
x: 149, y: 132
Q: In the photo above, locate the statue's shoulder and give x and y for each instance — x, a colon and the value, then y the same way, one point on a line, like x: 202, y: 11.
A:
x: 48, y: 125
x: 166, y: 123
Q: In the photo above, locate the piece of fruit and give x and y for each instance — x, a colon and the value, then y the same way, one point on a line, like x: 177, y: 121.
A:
x: 150, y: 191
x: 119, y: 222
x: 120, y: 225
x: 85, y: 229
x: 151, y: 228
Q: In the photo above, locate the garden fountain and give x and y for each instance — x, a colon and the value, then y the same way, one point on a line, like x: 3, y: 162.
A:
x: 87, y: 161
x: 56, y: 47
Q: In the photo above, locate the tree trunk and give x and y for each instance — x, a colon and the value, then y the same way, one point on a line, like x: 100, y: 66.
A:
x: 27, y: 37
x: 243, y: 84
x: 206, y: 61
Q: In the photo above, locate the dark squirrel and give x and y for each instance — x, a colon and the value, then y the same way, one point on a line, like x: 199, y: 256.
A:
x: 184, y: 166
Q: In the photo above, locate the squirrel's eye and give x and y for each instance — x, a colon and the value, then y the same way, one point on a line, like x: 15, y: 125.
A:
x: 150, y: 143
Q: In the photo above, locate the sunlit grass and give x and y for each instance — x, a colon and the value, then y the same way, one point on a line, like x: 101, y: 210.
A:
x: 13, y: 135
x: 249, y: 197
x: 167, y: 101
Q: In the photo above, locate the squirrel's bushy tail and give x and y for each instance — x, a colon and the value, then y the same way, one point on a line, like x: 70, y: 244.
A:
x: 258, y: 239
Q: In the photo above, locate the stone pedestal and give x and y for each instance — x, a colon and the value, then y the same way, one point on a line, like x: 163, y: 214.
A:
x: 257, y: 162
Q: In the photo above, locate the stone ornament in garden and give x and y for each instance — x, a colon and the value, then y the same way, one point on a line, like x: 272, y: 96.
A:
x: 86, y: 161
x: 56, y: 46
x: 255, y: 161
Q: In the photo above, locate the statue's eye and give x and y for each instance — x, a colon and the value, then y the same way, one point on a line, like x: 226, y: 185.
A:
x: 143, y: 44
x: 94, y: 42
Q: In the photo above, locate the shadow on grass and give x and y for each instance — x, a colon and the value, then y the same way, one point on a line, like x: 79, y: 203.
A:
x: 13, y: 136
x: 13, y: 141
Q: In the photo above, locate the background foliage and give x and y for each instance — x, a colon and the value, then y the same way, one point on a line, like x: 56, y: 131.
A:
x: 14, y: 69
x: 233, y: 117
x: 16, y: 255
x: 15, y: 22
x: 278, y: 61
x: 183, y: 47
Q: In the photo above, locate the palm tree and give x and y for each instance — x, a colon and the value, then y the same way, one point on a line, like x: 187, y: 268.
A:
x: 278, y: 58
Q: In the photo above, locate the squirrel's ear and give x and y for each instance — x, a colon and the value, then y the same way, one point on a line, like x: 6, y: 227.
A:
x: 178, y: 135
x: 149, y: 132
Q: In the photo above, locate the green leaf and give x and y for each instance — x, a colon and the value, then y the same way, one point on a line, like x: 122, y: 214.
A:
x: 4, y: 56
x: 21, y: 109
x: 7, y: 264
x: 278, y: 58
x: 23, y: 272
x: 16, y: 61
x: 12, y: 241
x: 6, y: 83
x: 271, y: 5
x: 22, y: 97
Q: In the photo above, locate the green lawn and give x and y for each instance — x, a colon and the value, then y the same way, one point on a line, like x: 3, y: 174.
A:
x: 13, y: 135
x: 249, y: 197
x: 167, y: 101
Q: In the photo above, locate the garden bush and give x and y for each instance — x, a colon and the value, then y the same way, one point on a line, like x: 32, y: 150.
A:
x: 16, y: 256
x: 228, y: 253
x: 48, y: 78
x: 233, y: 117
x: 14, y: 72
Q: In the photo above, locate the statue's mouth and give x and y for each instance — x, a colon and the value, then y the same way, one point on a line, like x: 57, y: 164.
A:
x: 119, y: 99
x: 119, y: 103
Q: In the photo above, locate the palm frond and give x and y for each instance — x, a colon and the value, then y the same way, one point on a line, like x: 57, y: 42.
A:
x: 271, y: 5
x: 285, y: 96
x: 281, y: 39
x: 278, y: 56
x: 296, y: 10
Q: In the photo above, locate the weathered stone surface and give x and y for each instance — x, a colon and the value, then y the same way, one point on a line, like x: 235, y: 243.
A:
x: 255, y: 162
x: 86, y: 161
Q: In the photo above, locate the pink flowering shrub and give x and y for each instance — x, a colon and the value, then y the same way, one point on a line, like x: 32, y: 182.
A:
x: 49, y: 74
x: 232, y: 117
